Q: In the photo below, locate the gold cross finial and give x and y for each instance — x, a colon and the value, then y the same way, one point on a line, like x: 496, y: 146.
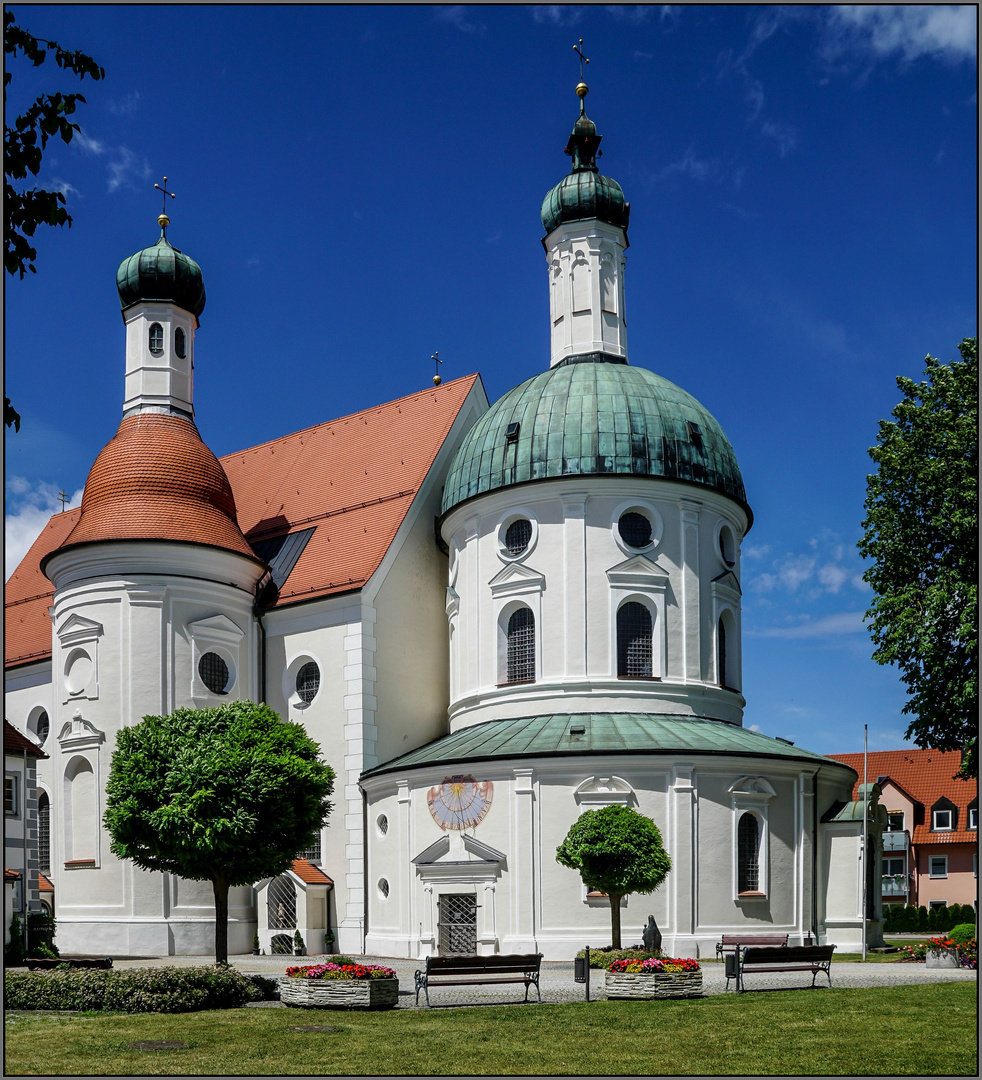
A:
x: 578, y: 49
x: 437, y: 362
x: 163, y: 220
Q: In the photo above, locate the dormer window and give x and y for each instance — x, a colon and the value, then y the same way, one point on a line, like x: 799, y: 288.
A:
x: 180, y: 344
x: 156, y: 339
x: 943, y: 816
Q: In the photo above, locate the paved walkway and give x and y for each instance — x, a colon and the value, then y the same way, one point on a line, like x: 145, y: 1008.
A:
x: 558, y: 985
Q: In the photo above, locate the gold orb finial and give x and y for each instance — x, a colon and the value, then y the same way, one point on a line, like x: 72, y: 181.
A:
x: 163, y: 220
x: 437, y: 380
x: 582, y: 90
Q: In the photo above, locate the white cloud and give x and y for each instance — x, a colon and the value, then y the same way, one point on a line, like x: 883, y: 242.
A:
x: 690, y: 165
x: 556, y: 14
x: 89, y: 145
x: 33, y: 505
x: 63, y: 186
x: 941, y: 31
x: 837, y: 625
x: 783, y: 134
x: 633, y: 14
x: 755, y: 551
x: 456, y: 15
x: 127, y: 106
x: 826, y: 569
x: 125, y: 168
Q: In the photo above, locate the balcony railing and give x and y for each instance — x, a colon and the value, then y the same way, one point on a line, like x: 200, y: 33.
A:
x: 895, y: 841
x: 894, y: 887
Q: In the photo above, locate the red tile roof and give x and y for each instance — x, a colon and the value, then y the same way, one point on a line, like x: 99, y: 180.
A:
x: 313, y: 875
x: 352, y: 480
x: 44, y: 884
x: 926, y: 776
x: 15, y: 742
x: 156, y: 480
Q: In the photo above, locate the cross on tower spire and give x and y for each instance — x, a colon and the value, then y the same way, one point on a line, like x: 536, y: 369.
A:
x: 578, y: 49
x: 163, y: 220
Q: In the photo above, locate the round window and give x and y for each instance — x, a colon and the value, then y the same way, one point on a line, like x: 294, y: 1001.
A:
x: 214, y: 673
x: 727, y: 549
x: 383, y: 888
x: 308, y: 682
x: 635, y: 529
x: 518, y: 536
x: 382, y: 824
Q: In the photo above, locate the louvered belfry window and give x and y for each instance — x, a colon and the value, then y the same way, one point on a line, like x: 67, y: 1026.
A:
x: 521, y: 646
x: 634, y: 641
x: 44, y: 833
x: 748, y: 845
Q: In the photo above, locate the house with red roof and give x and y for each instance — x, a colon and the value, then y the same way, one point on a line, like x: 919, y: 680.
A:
x: 21, y: 755
x: 930, y: 847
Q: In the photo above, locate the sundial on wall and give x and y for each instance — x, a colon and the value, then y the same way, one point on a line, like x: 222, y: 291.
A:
x: 460, y: 802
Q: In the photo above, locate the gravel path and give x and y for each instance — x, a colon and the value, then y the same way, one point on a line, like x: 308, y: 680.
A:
x: 557, y: 983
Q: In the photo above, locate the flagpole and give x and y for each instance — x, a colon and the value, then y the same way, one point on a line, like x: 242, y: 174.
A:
x: 865, y: 841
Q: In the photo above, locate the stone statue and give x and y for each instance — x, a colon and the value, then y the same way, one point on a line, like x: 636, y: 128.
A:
x: 651, y: 936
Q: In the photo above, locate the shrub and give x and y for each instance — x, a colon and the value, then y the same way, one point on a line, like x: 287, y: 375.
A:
x: 166, y: 990
x: 922, y: 921
x: 14, y: 953
x: 963, y: 933
x: 602, y: 957
x: 41, y: 951
x: 340, y: 971
x: 269, y: 988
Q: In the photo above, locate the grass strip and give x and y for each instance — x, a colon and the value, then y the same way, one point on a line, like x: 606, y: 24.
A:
x: 837, y: 1032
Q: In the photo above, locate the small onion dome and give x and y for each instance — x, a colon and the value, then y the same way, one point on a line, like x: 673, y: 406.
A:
x: 594, y: 419
x: 156, y: 480
x: 584, y: 193
x: 161, y: 272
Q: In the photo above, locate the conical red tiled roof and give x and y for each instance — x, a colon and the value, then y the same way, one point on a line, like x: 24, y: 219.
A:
x: 156, y: 480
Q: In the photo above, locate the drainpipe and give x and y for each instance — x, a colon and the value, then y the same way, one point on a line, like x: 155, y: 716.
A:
x: 364, y: 864
x: 25, y: 890
x: 815, y: 858
x: 264, y: 583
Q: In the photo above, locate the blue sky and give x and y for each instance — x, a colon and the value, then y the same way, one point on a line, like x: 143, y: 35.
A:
x: 361, y: 187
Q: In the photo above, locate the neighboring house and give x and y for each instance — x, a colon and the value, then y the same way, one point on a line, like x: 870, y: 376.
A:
x: 930, y: 847
x: 20, y: 824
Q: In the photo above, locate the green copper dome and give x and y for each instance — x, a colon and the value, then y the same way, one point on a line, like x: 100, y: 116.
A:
x: 593, y: 419
x: 584, y: 193
x: 161, y: 272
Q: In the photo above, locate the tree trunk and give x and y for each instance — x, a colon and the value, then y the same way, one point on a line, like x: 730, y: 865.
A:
x: 220, y: 885
x: 615, y: 920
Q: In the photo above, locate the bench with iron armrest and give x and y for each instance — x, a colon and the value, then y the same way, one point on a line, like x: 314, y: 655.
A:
x: 103, y: 963
x: 813, y: 958
x: 732, y: 942
x: 479, y: 971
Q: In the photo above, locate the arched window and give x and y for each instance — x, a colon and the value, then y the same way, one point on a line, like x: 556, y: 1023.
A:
x: 156, y: 339
x: 43, y: 727
x: 44, y: 832
x: 521, y: 646
x: 748, y: 846
x: 633, y: 641
x: 180, y: 343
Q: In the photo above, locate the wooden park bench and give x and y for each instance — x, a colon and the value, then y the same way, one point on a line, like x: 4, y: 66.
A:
x: 813, y: 958
x: 732, y: 942
x: 103, y: 963
x: 479, y: 971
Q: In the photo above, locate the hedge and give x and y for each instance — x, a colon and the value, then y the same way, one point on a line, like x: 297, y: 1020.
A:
x: 166, y: 990
x: 898, y: 919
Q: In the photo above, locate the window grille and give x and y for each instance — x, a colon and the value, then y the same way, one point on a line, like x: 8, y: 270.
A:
x: 521, y: 646
x: 157, y: 339
x: 518, y: 536
x: 748, y: 845
x: 635, y: 529
x: 281, y: 904
x: 313, y: 853
x: 382, y: 824
x: 43, y: 727
x: 44, y: 832
x: 179, y: 343
x: 634, y: 641
x: 214, y: 673
x: 458, y: 925
x: 308, y: 682
x: 383, y: 888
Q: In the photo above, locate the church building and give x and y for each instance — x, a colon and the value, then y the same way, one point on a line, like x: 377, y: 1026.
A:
x: 491, y: 618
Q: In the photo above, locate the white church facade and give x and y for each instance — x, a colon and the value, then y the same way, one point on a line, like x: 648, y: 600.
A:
x: 491, y: 618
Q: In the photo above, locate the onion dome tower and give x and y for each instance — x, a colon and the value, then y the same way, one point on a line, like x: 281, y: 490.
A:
x: 610, y: 500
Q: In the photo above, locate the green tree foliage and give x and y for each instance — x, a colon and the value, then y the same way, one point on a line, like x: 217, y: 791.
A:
x: 921, y: 535
x: 227, y: 795
x: 24, y: 143
x: 617, y: 851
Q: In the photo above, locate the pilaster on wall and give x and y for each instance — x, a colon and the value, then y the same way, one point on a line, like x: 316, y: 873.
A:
x: 574, y: 554
x: 683, y: 810
x: 523, y: 899
x: 361, y: 736
x: 691, y: 623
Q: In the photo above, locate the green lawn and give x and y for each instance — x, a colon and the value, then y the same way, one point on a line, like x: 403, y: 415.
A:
x: 904, y: 1030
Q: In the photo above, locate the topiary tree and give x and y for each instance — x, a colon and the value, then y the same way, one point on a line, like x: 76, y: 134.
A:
x: 618, y: 852
x: 227, y: 795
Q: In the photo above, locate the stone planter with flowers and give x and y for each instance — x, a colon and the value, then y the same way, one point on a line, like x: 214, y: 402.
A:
x: 646, y: 980
x: 340, y: 986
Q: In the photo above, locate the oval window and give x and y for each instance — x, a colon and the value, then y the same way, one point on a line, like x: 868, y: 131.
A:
x: 214, y: 673
x: 308, y: 682
x: 157, y: 339
x: 42, y: 727
x: 180, y: 343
